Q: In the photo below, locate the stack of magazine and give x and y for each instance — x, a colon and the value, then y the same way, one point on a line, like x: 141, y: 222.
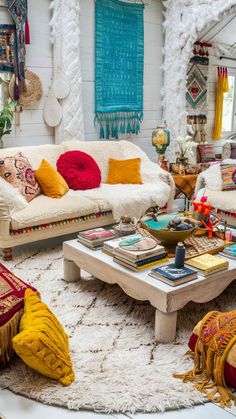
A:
x: 95, y: 238
x: 136, y: 252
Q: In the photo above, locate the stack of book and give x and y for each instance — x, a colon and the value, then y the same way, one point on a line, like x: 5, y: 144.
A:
x: 229, y: 251
x: 208, y: 264
x: 137, y: 260
x: 174, y: 276
x: 95, y: 237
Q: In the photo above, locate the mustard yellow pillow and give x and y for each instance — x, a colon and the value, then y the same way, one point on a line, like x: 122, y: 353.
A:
x: 124, y: 171
x: 42, y: 343
x: 50, y: 180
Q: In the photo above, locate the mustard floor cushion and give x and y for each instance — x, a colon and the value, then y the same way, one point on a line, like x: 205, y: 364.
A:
x: 42, y: 343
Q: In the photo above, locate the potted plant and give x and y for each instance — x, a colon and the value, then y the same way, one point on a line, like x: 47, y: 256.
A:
x: 184, y: 149
x: 6, y: 119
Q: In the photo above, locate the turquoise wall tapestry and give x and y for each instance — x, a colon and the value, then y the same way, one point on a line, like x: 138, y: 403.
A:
x: 119, y: 56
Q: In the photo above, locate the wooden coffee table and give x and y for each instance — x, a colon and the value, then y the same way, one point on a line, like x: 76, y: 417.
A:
x: 166, y: 299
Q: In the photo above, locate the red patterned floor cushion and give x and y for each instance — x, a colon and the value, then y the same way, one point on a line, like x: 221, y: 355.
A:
x: 213, y: 345
x: 79, y: 170
x: 12, y: 291
x: 229, y: 370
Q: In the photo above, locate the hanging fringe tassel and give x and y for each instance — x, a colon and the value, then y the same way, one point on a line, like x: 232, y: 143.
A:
x: 27, y: 32
x: 116, y: 123
x: 209, y: 365
x: 7, y: 333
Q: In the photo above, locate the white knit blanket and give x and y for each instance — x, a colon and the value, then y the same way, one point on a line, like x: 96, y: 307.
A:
x: 130, y: 200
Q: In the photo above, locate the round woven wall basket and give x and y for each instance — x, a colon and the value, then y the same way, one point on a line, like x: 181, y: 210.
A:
x: 34, y: 89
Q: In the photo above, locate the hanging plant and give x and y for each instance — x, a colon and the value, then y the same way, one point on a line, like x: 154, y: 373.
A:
x: 6, y: 119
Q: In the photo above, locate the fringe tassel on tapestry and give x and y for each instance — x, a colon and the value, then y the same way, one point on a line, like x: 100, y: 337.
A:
x: 116, y: 123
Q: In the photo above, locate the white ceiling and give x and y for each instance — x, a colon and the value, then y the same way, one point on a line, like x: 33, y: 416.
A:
x: 222, y: 32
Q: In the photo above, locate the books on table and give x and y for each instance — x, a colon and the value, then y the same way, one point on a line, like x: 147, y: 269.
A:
x: 146, y: 247
x: 136, y: 259
x: 174, y: 276
x: 94, y: 238
x: 142, y: 264
x: 230, y: 251
x: 208, y: 264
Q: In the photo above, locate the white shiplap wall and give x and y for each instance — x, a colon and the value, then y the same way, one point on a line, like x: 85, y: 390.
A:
x: 153, y: 43
x: 33, y: 129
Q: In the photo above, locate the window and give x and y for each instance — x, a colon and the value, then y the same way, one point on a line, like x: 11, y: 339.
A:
x: 229, y: 106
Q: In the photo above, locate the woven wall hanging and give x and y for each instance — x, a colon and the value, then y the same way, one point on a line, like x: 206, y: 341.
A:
x: 7, y: 48
x: 119, y: 55
x: 196, y: 95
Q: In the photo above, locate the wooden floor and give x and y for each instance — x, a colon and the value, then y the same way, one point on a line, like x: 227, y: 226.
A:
x: 16, y: 407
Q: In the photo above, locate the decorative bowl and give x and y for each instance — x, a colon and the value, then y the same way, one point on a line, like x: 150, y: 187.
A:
x: 159, y: 231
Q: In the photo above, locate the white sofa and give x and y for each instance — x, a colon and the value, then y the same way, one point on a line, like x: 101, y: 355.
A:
x: 45, y: 217
x: 209, y: 183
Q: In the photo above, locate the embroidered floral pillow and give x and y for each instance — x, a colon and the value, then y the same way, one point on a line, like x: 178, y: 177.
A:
x: 228, y: 174
x: 18, y: 171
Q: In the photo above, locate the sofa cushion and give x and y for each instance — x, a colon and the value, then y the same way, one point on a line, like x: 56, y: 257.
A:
x: 102, y: 151
x: 79, y: 169
x: 124, y: 171
x: 50, y: 181
x: 228, y: 174
x: 206, y: 153
x: 18, y: 171
x: 43, y: 210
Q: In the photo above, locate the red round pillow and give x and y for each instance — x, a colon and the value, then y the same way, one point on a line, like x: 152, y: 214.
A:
x: 79, y: 170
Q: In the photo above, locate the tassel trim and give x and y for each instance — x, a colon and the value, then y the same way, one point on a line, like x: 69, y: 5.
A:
x: 208, y: 371
x: 56, y: 224
x: 7, y: 333
x: 115, y: 123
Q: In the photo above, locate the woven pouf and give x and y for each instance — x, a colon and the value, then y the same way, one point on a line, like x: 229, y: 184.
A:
x: 12, y: 290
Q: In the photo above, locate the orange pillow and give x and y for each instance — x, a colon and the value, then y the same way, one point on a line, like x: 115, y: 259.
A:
x: 50, y: 180
x: 124, y: 171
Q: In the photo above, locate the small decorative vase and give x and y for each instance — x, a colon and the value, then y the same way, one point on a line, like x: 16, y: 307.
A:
x: 161, y: 138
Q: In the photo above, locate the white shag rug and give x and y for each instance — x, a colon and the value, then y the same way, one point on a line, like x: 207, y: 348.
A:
x: 118, y: 365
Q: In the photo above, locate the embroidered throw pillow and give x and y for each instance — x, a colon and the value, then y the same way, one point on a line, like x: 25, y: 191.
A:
x: 206, y: 153
x: 228, y: 174
x: 124, y: 171
x: 18, y: 171
x: 80, y: 170
x: 50, y: 181
x: 42, y: 343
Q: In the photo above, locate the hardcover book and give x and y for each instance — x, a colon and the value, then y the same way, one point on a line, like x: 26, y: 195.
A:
x: 97, y: 234
x: 207, y: 264
x: 144, y: 244
x: 172, y: 273
x: 137, y: 242
x: 139, y: 267
x: 230, y: 250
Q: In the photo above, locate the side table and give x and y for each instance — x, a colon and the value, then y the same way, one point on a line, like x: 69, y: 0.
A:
x: 185, y: 184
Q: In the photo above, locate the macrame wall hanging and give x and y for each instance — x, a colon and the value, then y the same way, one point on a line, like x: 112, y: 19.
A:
x: 196, y: 95
x: 119, y: 55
